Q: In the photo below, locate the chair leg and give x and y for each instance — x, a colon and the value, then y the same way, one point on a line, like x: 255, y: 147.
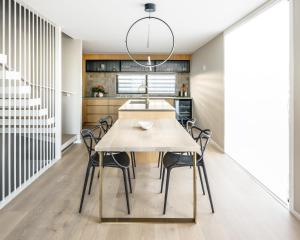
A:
x: 126, y: 190
x: 167, y: 189
x: 129, y: 180
x: 162, y: 180
x: 201, y: 180
x: 132, y: 164
x: 158, y: 162
x: 84, y: 186
x: 132, y: 156
x: 161, y: 166
x: 207, y: 187
x: 134, y: 159
x: 99, y: 174
x: 91, y: 181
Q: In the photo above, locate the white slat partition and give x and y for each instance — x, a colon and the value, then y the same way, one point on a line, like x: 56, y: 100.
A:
x: 3, y: 30
x: 29, y: 77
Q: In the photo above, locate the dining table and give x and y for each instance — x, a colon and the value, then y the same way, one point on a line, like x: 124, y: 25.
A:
x: 166, y: 135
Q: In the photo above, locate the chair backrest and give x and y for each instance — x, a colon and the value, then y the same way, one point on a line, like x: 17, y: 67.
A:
x: 89, y: 140
x: 190, y: 124
x: 97, y: 132
x: 106, y: 123
x: 202, y: 136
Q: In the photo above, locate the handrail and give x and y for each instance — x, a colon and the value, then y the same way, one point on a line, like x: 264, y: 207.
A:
x: 67, y: 93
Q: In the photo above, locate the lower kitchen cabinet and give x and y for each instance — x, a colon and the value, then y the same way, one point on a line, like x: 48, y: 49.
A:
x: 94, y: 109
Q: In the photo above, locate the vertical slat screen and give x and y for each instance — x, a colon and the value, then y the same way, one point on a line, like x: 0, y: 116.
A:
x: 27, y: 97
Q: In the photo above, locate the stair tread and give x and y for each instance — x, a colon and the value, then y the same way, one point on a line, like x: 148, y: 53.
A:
x: 10, y: 75
x: 3, y: 59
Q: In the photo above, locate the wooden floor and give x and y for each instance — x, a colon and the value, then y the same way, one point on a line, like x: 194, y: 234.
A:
x: 48, y: 209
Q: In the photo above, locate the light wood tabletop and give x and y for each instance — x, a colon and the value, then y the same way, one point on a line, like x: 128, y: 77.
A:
x: 166, y: 135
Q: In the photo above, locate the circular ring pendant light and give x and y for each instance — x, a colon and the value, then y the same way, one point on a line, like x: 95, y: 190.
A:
x: 149, y: 8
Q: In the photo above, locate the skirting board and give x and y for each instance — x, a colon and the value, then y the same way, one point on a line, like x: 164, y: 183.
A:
x: 295, y: 214
x: 217, y: 146
x: 69, y: 142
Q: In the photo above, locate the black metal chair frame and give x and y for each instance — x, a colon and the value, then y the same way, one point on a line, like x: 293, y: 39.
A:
x: 175, y: 160
x: 106, y: 123
x: 110, y: 160
x: 188, y: 127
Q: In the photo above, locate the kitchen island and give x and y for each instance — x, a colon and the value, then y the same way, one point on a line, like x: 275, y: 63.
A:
x: 141, y: 109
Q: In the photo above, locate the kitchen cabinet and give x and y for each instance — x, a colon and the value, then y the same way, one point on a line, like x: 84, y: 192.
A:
x: 94, y: 109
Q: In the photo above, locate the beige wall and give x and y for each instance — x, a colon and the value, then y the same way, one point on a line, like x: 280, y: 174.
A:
x: 207, y: 87
x: 297, y: 106
x: 71, y: 82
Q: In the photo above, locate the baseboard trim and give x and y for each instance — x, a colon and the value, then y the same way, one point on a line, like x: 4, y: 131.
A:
x: 69, y: 142
x: 259, y: 183
x: 217, y: 145
x: 295, y: 214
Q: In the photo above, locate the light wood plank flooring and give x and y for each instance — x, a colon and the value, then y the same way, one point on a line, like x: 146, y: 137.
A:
x: 48, y: 209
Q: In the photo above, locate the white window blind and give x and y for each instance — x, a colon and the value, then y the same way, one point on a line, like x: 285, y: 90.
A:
x: 131, y: 83
x: 158, y: 84
x: 162, y: 84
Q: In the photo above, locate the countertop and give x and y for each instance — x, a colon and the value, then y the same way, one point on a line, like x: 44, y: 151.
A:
x: 154, y: 105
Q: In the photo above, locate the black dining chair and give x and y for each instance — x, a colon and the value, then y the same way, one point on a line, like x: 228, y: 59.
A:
x: 188, y: 126
x: 106, y: 123
x: 97, y: 132
x: 175, y: 160
x: 116, y: 160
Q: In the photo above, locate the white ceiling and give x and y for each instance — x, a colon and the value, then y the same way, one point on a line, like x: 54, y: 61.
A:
x: 103, y: 24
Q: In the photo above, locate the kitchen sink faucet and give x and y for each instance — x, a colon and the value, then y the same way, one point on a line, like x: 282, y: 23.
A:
x: 147, y: 93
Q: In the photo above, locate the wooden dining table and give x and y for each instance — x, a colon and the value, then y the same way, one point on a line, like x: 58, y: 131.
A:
x: 166, y: 135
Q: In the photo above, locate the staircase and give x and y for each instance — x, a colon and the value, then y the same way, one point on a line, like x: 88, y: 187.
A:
x: 19, y: 112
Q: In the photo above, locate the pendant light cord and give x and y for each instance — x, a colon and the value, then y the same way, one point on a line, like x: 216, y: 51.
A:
x: 148, y: 39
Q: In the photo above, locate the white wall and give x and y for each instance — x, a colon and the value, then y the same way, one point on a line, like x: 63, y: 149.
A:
x: 72, y: 82
x: 296, y: 170
x: 207, y: 87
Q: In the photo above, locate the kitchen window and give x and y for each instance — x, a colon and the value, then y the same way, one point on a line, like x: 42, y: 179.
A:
x: 131, y: 84
x: 157, y: 84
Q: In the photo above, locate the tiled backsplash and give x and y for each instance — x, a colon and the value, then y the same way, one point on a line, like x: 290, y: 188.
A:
x: 108, y: 81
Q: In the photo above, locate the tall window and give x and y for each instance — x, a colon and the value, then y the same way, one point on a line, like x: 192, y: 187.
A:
x: 154, y: 84
x: 257, y: 97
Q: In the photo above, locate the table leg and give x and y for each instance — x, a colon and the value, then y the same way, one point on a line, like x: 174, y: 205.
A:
x: 100, y: 185
x: 148, y: 220
x: 195, y: 186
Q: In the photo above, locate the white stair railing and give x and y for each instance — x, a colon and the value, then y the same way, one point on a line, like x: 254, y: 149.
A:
x: 27, y: 97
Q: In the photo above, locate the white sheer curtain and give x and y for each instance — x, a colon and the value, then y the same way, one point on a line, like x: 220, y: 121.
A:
x: 257, y: 97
